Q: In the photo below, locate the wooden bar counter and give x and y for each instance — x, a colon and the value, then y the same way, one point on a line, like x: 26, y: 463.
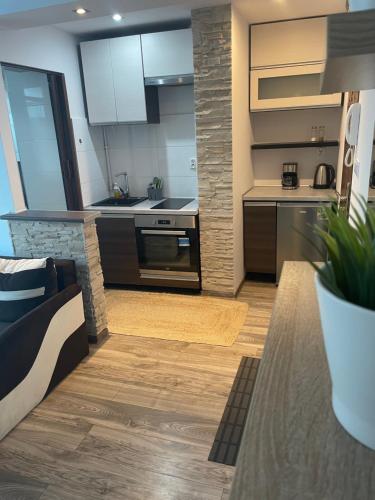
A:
x: 293, y: 447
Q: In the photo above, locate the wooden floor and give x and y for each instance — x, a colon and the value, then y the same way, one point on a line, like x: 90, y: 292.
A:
x: 136, y: 420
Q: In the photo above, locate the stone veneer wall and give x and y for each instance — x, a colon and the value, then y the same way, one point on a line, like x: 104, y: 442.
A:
x: 213, y: 109
x: 67, y: 240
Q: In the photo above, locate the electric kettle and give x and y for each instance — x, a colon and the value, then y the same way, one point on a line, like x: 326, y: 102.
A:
x: 324, y: 176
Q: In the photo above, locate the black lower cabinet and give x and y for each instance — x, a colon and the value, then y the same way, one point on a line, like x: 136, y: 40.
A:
x: 118, y: 250
x: 260, y: 238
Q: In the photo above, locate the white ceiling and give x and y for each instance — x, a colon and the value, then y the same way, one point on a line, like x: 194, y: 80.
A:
x: 11, y: 6
x: 131, y: 19
x: 18, y: 15
x: 63, y: 11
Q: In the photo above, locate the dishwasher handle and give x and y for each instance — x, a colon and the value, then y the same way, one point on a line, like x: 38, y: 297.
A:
x: 260, y: 203
x: 303, y: 205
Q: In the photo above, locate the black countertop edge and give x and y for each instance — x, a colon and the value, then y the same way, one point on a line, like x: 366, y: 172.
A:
x: 80, y: 217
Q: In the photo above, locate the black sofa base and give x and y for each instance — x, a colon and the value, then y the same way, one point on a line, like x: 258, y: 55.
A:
x: 72, y: 352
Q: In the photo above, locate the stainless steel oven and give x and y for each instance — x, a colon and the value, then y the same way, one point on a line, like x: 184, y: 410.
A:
x: 168, y: 250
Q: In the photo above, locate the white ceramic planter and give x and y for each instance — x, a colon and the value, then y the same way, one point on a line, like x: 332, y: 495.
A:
x: 349, y: 338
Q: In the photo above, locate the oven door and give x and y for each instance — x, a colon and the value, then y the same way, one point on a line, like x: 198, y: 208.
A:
x: 168, y: 253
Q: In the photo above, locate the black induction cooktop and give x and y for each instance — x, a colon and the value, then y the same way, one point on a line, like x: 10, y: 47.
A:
x: 173, y: 203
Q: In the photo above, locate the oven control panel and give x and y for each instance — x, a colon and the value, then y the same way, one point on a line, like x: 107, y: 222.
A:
x: 165, y: 222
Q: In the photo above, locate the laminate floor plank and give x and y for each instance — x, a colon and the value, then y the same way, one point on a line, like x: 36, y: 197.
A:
x: 96, y: 475
x: 189, y: 380
x: 58, y: 433
x: 135, y: 421
x: 173, y: 401
x: 164, y: 424
x: 182, y: 460
x: 15, y: 486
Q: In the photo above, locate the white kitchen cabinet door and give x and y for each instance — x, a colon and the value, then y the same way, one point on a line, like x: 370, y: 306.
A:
x: 290, y: 87
x: 168, y: 53
x: 300, y: 41
x: 98, y: 77
x: 128, y: 80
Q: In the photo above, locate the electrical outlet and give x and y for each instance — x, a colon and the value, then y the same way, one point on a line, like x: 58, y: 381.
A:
x: 193, y: 163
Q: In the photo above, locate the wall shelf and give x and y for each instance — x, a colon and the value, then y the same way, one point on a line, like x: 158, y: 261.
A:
x: 291, y: 145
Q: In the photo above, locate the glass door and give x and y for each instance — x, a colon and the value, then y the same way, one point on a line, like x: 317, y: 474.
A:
x: 167, y: 250
x: 289, y: 87
x: 37, y: 119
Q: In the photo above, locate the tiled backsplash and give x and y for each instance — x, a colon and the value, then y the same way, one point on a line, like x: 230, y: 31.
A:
x: 143, y: 151
x: 163, y: 150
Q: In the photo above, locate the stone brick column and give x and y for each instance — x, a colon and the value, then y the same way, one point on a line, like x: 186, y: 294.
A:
x: 66, y: 235
x: 213, y: 110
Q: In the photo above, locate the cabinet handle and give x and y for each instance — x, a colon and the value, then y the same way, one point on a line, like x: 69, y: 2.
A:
x: 112, y: 215
x: 162, y: 232
x: 260, y: 203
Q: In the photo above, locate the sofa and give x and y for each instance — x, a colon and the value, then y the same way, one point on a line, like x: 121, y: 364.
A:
x: 40, y: 348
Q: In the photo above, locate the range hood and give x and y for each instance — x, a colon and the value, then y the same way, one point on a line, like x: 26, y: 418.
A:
x: 350, y: 58
x: 172, y: 80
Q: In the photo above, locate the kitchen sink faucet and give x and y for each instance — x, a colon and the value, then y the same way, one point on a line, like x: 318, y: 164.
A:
x: 125, y: 186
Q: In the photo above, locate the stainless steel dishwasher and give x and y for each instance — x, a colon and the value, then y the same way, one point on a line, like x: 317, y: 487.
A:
x: 292, y: 219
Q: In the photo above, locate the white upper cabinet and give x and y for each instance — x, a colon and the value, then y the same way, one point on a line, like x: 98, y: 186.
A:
x: 289, y: 87
x: 114, y: 82
x: 168, y: 53
x: 97, y: 72
x: 287, y: 61
x: 128, y: 80
x: 283, y: 43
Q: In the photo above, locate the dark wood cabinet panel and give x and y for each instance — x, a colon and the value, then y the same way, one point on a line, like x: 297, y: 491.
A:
x: 260, y: 238
x: 118, y: 250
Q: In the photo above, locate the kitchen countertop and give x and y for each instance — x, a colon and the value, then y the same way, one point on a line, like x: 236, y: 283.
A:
x: 276, y: 193
x: 52, y: 216
x: 144, y: 208
x: 293, y: 446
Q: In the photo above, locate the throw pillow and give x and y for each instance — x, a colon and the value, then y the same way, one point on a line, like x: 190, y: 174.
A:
x: 24, y: 285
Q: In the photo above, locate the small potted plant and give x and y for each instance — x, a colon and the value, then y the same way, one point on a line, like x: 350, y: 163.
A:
x: 155, y: 189
x: 346, y: 295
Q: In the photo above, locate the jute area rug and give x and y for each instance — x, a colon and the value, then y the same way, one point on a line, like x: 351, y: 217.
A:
x: 203, y: 320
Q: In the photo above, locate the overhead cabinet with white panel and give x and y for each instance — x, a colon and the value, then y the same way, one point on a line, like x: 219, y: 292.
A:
x: 168, y: 53
x: 98, y: 76
x: 114, y: 82
x: 287, y: 60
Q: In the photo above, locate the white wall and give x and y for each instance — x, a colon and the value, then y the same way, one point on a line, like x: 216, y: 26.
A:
x: 293, y: 126
x: 6, y: 205
x: 162, y: 150
x: 51, y: 49
x: 11, y: 197
x: 241, y: 135
x: 91, y: 161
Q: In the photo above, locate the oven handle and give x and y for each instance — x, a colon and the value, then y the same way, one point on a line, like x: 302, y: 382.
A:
x: 161, y: 232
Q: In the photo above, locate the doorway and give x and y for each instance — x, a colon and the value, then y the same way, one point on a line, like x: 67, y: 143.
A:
x: 43, y: 138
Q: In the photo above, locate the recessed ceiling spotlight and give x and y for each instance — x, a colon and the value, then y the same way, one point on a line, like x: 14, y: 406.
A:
x: 117, y: 17
x: 80, y: 11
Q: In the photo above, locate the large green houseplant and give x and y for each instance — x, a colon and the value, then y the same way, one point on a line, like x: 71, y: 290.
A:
x: 346, y: 295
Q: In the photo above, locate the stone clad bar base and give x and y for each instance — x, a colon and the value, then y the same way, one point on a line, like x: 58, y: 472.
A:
x: 67, y: 239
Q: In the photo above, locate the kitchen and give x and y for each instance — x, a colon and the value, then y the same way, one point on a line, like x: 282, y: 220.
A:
x: 288, y: 122
x: 178, y: 173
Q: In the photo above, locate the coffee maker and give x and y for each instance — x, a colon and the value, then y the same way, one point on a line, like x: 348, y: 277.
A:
x: 289, y: 176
